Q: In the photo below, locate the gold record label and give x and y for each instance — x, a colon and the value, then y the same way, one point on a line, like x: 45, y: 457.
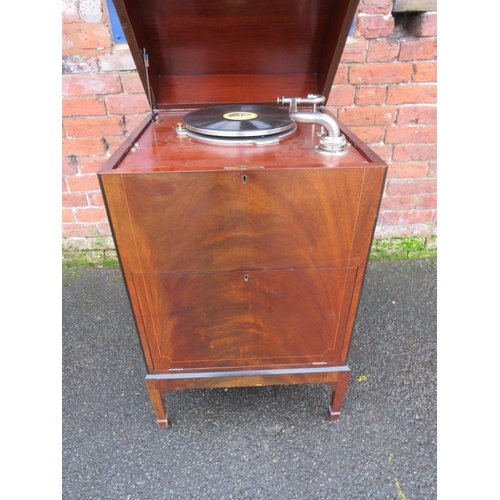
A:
x: 240, y: 115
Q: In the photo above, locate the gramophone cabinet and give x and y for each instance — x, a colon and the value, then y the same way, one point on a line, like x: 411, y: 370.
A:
x: 244, y: 263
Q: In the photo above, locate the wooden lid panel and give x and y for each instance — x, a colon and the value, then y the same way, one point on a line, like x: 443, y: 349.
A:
x: 236, y: 37
x: 200, y: 90
x: 228, y: 38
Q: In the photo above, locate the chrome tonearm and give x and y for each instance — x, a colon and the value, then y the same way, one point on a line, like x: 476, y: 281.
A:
x: 333, y: 142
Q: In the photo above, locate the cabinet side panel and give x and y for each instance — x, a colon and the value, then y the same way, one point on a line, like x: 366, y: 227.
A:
x: 124, y: 238
x: 120, y: 220
x: 371, y: 193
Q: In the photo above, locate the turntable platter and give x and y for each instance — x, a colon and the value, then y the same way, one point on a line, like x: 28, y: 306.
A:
x: 239, y: 120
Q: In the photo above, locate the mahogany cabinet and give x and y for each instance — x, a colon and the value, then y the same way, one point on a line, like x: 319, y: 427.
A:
x: 244, y: 264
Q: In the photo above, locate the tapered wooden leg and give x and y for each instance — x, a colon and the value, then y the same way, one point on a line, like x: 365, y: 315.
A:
x: 338, y: 392
x: 156, y: 391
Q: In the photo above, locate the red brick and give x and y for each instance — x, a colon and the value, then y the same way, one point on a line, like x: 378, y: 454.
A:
x: 341, y: 74
x: 334, y: 110
x: 411, y: 186
x: 94, y: 36
x: 69, y: 165
x: 375, y: 26
x: 354, y: 50
x: 79, y: 230
x: 83, y: 147
x: 67, y: 215
x: 71, y: 38
x: 408, y: 217
x: 103, y: 229
x: 424, y: 229
x: 410, y: 94
x: 84, y: 85
x: 84, y: 106
x: 66, y: 42
x: 426, y: 201
x: 74, y: 200
x: 418, y: 50
x: 341, y: 95
x: 414, y: 152
x: 425, y: 24
x: 379, y: 115
x: 87, y: 182
x: 114, y: 143
x: 118, y: 60
x: 64, y: 186
x: 392, y: 231
x: 432, y: 172
x: 398, y: 202
x: 90, y: 165
x: 93, y: 214
x: 384, y: 50
x: 424, y: 72
x: 127, y: 104
x: 376, y: 6
x: 369, y: 134
x: 383, y: 150
x: 94, y: 127
x: 380, y: 73
x: 132, y: 122
x: 96, y: 200
x: 370, y: 95
x: 76, y: 63
x: 411, y: 134
x: 132, y: 83
x: 416, y: 170
x: 418, y: 115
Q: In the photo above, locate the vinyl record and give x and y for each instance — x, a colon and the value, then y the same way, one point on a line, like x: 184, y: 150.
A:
x: 239, y: 120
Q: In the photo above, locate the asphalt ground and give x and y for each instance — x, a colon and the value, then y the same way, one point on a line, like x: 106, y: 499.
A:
x: 261, y: 442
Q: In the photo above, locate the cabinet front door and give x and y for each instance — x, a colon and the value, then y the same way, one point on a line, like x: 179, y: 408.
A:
x: 245, y: 318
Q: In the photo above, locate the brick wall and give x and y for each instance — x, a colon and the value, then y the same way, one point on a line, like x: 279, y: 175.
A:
x: 103, y: 101
x: 385, y: 91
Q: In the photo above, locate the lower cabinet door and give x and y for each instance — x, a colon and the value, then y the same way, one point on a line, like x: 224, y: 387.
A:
x: 245, y: 318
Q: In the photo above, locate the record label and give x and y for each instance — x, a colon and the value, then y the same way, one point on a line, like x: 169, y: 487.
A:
x: 240, y: 115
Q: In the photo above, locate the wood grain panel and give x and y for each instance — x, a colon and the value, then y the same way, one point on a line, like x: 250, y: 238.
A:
x: 220, y: 37
x: 216, y: 221
x: 160, y: 149
x: 175, y: 90
x: 119, y: 217
x: 244, y: 318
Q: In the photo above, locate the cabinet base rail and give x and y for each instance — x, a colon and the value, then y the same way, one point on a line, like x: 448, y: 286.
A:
x: 159, y: 384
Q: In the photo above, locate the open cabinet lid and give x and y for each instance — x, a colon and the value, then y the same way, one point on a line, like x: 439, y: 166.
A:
x: 191, y: 53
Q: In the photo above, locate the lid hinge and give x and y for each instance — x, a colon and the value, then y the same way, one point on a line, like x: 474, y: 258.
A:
x: 154, y: 111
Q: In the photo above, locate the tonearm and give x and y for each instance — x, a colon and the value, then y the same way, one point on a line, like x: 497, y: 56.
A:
x: 332, y: 141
